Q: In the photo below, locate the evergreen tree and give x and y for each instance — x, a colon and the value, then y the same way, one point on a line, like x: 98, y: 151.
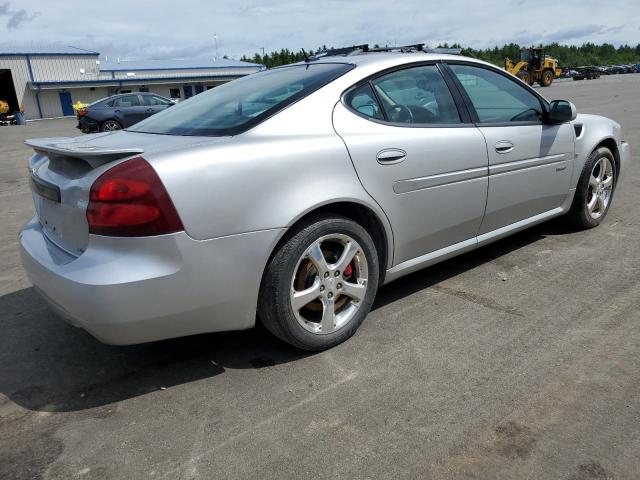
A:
x: 567, y: 55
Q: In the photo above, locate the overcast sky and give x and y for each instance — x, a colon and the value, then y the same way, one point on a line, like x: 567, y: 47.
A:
x: 185, y: 29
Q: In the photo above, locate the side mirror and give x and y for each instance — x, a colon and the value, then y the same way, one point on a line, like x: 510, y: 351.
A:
x: 561, y: 111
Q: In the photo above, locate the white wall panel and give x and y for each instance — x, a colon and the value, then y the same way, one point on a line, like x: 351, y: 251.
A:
x: 67, y: 68
x: 49, y: 68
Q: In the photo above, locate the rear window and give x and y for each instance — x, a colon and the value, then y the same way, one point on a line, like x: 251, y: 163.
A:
x: 241, y: 104
x: 98, y: 102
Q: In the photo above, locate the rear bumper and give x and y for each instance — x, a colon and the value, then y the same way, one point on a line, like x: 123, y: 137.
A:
x: 88, y: 125
x: 136, y: 290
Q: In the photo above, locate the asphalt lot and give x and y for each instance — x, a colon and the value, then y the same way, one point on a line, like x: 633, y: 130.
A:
x: 519, y: 360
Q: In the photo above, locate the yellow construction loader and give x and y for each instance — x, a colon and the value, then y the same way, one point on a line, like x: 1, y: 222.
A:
x: 534, y: 66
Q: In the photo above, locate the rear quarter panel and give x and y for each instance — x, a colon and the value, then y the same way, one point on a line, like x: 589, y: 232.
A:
x: 266, y: 178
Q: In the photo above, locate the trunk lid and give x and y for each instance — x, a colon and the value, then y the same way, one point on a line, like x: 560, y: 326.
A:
x: 62, y: 171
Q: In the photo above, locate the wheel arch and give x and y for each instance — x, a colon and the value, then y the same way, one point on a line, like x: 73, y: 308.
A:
x: 594, y: 132
x: 612, y: 145
x: 374, y: 222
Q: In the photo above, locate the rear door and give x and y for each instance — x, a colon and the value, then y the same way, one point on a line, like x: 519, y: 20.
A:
x: 530, y: 162
x: 418, y: 155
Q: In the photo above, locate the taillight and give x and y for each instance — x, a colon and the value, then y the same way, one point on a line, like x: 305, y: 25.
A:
x: 81, y: 112
x: 129, y: 200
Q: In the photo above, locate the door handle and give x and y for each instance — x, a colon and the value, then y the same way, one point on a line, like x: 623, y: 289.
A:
x: 390, y: 156
x: 504, y: 146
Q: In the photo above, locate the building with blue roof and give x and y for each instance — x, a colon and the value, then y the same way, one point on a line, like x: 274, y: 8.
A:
x: 46, y: 81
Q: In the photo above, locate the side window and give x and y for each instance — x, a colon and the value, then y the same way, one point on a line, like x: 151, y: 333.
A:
x: 496, y: 98
x: 417, y: 95
x: 363, y: 101
x: 152, y: 100
x: 127, y: 101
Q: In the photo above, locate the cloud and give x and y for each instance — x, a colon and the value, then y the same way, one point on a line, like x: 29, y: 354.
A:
x: 244, y: 27
x: 16, y: 17
x: 581, y: 31
x: 20, y: 17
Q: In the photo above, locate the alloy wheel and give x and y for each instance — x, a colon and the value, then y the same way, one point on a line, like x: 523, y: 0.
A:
x: 600, y: 187
x: 110, y: 127
x: 329, y: 283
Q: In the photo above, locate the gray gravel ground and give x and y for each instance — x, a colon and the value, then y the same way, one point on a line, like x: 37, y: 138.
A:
x: 520, y: 360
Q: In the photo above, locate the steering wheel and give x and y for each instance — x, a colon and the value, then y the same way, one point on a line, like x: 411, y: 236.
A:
x: 401, y: 114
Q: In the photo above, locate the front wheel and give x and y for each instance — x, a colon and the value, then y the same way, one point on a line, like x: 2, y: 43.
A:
x: 547, y: 78
x: 320, y: 284
x: 595, y: 189
x: 524, y: 76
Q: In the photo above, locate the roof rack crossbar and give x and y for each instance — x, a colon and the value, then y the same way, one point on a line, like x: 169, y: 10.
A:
x: 343, y: 51
x: 416, y: 47
x: 449, y: 51
x: 364, y: 48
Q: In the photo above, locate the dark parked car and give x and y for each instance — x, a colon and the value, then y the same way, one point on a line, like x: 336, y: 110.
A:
x: 615, y: 70
x: 120, y: 111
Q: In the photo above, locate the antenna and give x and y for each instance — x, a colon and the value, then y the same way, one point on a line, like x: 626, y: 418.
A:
x: 306, y: 57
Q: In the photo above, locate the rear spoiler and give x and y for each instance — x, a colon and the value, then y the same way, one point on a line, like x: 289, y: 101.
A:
x: 92, y: 154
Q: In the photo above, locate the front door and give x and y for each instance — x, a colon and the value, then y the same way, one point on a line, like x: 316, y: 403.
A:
x: 129, y: 109
x: 415, y: 156
x: 530, y: 162
x: 154, y: 104
x: 188, y: 91
x: 66, y: 104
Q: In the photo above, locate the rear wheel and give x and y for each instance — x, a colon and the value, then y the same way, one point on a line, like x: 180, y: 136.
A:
x: 320, y: 285
x: 547, y: 78
x: 595, y: 190
x: 110, y: 126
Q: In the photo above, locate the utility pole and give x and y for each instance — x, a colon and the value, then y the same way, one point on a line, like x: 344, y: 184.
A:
x: 215, y: 39
x: 262, y: 48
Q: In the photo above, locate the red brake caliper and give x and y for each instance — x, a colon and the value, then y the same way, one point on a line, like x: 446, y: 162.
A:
x: 348, y: 271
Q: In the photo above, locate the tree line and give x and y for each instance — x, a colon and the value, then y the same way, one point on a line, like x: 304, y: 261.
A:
x: 567, y: 55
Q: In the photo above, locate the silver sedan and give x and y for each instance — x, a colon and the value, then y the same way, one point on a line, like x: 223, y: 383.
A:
x: 291, y: 195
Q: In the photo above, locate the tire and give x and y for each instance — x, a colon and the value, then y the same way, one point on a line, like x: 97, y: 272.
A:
x: 524, y: 76
x: 110, y: 126
x: 294, y: 269
x: 547, y: 78
x: 581, y: 214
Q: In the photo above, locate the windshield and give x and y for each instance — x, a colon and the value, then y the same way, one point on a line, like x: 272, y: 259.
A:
x: 241, y: 104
